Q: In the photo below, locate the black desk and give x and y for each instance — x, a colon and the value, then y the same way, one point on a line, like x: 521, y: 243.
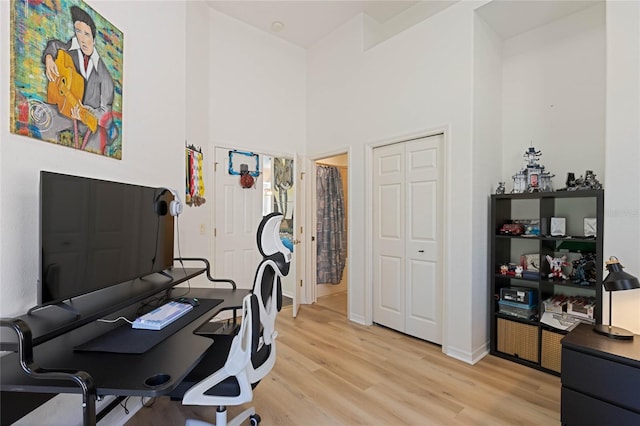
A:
x: 154, y: 373
x: 600, y: 379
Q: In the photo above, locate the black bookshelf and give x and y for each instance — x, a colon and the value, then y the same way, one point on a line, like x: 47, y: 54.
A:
x: 526, y: 340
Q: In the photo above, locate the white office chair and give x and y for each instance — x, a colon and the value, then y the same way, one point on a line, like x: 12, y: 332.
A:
x: 267, y: 302
x: 230, y: 385
x: 268, y: 287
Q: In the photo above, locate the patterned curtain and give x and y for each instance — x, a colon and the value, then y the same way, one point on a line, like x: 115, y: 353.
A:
x: 331, y: 235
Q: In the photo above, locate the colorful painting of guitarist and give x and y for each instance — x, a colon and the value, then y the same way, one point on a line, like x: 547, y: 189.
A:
x: 74, y: 98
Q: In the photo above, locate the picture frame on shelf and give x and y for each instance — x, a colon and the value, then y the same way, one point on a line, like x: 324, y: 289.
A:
x: 590, y: 226
x: 558, y: 227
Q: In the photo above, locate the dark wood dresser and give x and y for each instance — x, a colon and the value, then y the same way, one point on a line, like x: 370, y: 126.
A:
x: 600, y: 379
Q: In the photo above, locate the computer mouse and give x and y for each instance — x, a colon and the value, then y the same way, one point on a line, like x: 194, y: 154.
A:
x: 192, y: 301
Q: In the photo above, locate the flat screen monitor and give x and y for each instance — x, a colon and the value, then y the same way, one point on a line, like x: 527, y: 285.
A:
x: 96, y: 233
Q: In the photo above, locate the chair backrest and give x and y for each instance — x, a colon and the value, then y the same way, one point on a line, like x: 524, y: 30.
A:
x: 275, y: 265
x: 267, y: 286
x: 268, y: 292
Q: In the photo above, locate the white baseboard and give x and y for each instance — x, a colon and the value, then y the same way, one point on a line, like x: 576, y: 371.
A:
x: 358, y: 319
x: 466, y: 356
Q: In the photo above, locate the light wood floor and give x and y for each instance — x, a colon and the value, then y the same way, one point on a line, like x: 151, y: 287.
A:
x: 334, y: 372
x: 335, y: 302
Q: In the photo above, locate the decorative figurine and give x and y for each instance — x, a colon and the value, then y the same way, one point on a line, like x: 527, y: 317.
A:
x: 545, y: 183
x: 519, y: 270
x: 591, y: 181
x: 512, y: 229
x: 585, y: 269
x: 571, y: 180
x: 504, y: 269
x: 532, y: 177
x: 519, y: 182
x: 588, y: 182
x: 556, y: 264
x: 500, y: 189
x: 532, y: 228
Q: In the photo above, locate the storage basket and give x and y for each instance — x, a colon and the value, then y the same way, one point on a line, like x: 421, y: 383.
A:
x: 518, y: 339
x: 551, y: 350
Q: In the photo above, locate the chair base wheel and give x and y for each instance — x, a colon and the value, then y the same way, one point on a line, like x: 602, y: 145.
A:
x: 255, y: 419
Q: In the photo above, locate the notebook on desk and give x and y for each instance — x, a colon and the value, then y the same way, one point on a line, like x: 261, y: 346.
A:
x: 129, y: 340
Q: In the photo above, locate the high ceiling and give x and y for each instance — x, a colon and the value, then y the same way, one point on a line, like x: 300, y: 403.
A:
x: 306, y: 22
x: 509, y: 18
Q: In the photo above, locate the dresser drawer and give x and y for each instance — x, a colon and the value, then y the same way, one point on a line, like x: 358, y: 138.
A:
x: 603, y: 379
x: 581, y: 410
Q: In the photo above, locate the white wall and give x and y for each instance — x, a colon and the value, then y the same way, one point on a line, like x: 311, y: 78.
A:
x: 153, y: 144
x: 424, y: 77
x: 574, y: 86
x: 416, y: 81
x: 196, y: 222
x: 254, y: 98
x: 554, y: 96
x: 257, y: 100
x: 420, y: 79
x: 487, y: 146
x: 622, y: 175
x: 257, y: 89
x: 546, y: 85
x: 153, y: 138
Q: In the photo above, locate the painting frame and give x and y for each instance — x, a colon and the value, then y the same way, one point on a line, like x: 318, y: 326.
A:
x: 66, y: 76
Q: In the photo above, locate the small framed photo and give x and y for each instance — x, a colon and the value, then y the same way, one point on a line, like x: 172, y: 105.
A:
x: 590, y: 227
x: 558, y: 227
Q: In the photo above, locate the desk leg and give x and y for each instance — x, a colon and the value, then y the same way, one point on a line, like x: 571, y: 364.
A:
x: 89, y: 409
x: 31, y: 369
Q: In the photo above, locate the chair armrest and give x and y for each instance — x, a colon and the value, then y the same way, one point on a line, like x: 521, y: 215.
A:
x: 208, y: 269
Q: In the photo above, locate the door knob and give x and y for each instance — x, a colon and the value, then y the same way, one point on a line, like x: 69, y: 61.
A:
x: 296, y: 242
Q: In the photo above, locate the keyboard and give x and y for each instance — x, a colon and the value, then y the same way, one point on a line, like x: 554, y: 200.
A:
x: 162, y: 316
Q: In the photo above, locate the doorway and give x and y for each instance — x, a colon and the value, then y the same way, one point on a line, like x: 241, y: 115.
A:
x: 332, y: 295
x: 239, y: 208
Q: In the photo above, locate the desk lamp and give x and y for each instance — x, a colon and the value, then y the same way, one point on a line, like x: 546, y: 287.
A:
x: 616, y: 280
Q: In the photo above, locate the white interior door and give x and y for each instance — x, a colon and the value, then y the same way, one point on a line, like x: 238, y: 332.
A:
x: 238, y: 212
x: 388, y: 236
x: 407, y: 219
x: 423, y: 237
x: 298, y: 259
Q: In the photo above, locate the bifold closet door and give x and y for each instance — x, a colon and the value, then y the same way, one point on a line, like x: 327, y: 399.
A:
x: 407, y: 210
x: 388, y: 236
